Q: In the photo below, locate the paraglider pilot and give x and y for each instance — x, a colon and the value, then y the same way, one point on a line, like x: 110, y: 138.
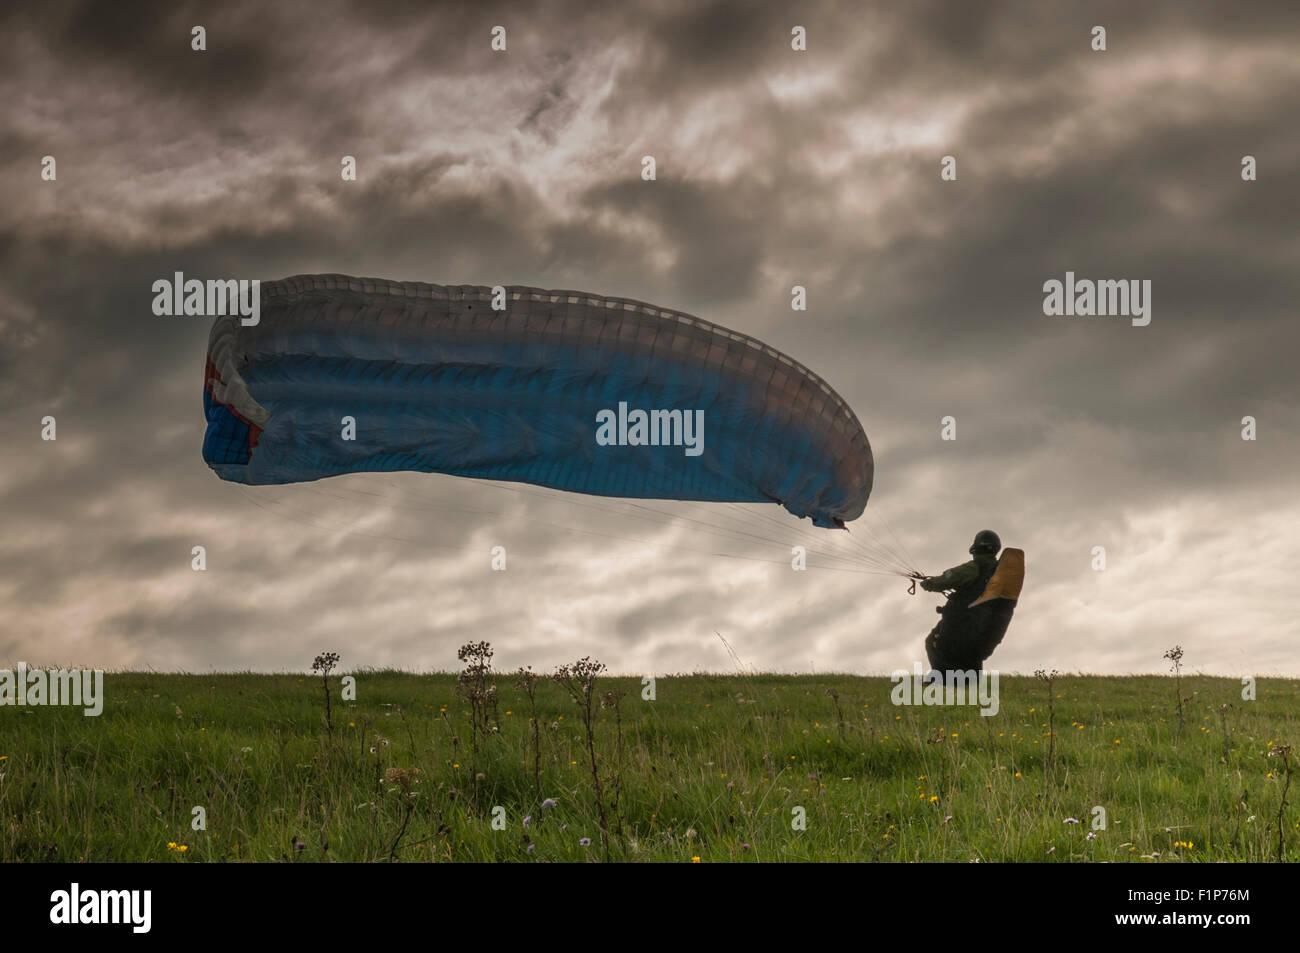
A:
x: 956, y: 644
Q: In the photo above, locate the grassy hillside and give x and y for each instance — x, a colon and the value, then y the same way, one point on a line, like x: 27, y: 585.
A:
x: 719, y: 768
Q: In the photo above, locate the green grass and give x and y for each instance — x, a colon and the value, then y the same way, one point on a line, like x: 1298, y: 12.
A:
x: 714, y: 768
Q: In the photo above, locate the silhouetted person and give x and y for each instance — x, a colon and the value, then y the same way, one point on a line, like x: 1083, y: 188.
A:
x: 956, y: 643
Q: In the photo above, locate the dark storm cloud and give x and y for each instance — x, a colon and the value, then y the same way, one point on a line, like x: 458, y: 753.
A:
x: 717, y: 234
x: 774, y: 169
x: 140, y: 40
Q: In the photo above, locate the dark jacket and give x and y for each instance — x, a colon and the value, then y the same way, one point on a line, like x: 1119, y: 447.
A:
x: 960, y: 577
x: 958, y: 641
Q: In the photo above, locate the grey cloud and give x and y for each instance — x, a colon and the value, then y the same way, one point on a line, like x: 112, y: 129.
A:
x: 925, y: 300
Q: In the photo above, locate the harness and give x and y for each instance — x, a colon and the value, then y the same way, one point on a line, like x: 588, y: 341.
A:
x: 958, y: 603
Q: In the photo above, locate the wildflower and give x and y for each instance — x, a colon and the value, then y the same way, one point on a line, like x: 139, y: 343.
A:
x: 695, y: 860
x: 584, y: 842
x: 530, y: 848
x: 1071, y: 820
x: 528, y: 819
x: 549, y: 802
x: 1092, y: 835
x: 745, y: 846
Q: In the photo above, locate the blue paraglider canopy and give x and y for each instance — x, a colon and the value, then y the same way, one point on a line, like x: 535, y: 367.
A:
x: 561, y: 389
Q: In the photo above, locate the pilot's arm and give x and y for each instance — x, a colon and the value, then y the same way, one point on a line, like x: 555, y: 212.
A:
x: 954, y: 578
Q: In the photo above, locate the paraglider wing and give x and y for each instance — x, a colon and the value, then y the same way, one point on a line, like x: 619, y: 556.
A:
x: 437, y: 381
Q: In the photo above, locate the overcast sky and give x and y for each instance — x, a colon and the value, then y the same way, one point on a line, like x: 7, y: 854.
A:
x: 774, y: 168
